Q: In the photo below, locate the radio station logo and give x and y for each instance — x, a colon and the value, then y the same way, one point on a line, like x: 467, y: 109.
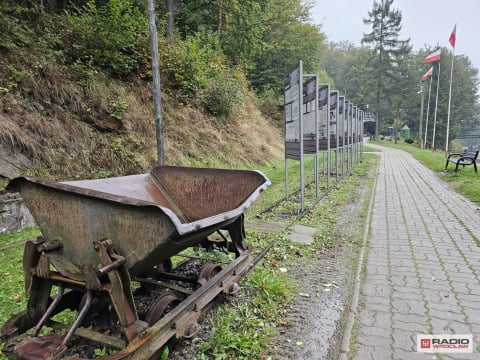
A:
x: 427, y: 343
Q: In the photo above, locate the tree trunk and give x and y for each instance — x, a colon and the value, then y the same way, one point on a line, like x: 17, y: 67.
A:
x: 170, y: 10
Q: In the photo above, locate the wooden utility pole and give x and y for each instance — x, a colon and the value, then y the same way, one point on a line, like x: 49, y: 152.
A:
x: 170, y: 10
x: 157, y: 100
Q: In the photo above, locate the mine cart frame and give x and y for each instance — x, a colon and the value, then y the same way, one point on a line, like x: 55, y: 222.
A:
x: 143, y: 340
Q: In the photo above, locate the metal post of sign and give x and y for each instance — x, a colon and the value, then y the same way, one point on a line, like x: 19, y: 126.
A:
x: 316, y: 137
x: 302, y: 160
x: 360, y: 134
x: 341, y: 114
x: 323, y: 143
x: 346, y: 139
x: 334, y: 114
x: 354, y: 119
x: 293, y: 109
x: 345, y: 136
x: 362, y: 117
x: 357, y: 148
x: 354, y: 147
x: 329, y: 155
x: 357, y: 145
x: 350, y: 140
x: 311, y: 88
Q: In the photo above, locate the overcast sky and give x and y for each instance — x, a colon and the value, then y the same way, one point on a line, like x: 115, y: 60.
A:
x: 425, y: 22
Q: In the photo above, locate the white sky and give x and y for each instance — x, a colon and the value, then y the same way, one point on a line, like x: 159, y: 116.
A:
x: 425, y: 22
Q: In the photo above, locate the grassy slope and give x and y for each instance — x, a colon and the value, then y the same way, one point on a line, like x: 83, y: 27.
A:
x: 77, y: 123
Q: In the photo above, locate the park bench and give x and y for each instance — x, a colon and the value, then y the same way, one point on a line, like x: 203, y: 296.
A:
x: 468, y: 157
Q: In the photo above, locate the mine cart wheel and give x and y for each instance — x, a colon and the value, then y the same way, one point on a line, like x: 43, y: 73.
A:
x: 162, y: 305
x: 155, y: 274
x: 210, y: 243
x: 208, y: 271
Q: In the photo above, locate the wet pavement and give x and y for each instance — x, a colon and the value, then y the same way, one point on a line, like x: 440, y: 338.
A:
x: 421, y: 270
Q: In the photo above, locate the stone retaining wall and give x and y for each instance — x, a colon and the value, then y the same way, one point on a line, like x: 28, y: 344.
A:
x: 14, y: 215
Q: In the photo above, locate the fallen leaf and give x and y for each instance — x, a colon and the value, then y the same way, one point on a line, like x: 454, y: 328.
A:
x: 332, y: 284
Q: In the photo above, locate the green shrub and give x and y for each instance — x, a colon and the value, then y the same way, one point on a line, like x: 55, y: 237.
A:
x: 222, y: 94
x: 112, y: 37
x: 13, y: 33
x: 409, y: 141
x: 195, y: 67
x: 190, y: 64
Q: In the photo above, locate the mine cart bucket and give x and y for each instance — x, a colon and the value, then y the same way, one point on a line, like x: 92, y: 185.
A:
x: 99, y: 234
x: 149, y: 217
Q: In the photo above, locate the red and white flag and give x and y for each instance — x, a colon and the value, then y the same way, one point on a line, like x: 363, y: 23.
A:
x: 434, y: 56
x: 453, y: 36
x: 427, y: 74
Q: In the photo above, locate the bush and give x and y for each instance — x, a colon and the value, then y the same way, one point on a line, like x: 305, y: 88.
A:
x: 190, y: 64
x: 271, y: 106
x: 13, y: 34
x: 409, y: 141
x: 112, y: 37
x: 222, y: 94
x: 195, y: 67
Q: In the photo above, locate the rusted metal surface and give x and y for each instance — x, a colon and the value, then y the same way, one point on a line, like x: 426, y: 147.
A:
x: 160, y: 306
x: 98, y: 234
x: 151, y: 217
x: 179, y: 321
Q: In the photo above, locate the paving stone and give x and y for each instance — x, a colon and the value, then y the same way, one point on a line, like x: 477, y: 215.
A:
x: 422, y: 265
x: 302, y: 234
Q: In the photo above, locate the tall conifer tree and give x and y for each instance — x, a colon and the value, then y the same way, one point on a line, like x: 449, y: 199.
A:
x: 385, y: 22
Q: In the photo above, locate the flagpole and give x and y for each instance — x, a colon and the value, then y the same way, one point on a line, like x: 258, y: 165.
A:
x: 436, y: 106
x: 434, y: 57
x: 428, y: 110
x: 449, y: 102
x: 420, y: 128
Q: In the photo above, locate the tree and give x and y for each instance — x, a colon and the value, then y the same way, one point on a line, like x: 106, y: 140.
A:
x: 287, y: 36
x: 464, y: 102
x: 390, y: 51
x: 263, y: 38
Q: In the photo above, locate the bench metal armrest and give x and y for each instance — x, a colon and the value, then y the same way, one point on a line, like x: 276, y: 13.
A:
x: 454, y: 154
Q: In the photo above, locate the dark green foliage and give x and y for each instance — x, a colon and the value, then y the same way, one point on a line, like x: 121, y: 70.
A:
x: 13, y: 32
x: 113, y: 36
x: 409, y: 141
x: 195, y: 67
x: 391, y: 52
x: 191, y: 63
x: 222, y: 94
x: 265, y: 39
